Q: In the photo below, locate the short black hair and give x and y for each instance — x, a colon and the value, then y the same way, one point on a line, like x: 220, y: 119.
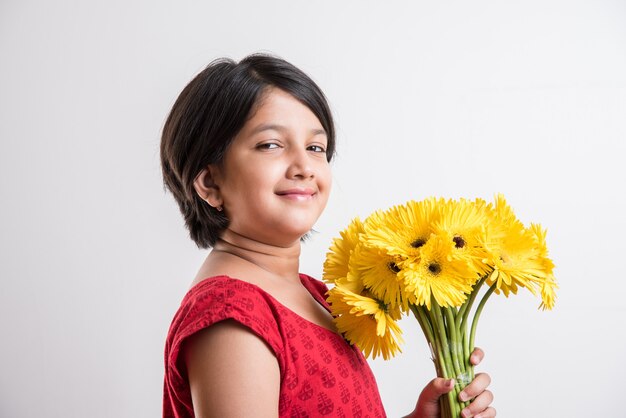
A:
x: 206, y: 117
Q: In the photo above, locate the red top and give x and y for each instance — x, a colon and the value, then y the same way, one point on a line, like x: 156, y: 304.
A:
x: 320, y: 373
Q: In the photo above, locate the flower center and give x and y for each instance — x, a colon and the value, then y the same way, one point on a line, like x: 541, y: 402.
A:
x: 459, y: 242
x: 393, y: 267
x: 418, y: 243
x: 434, y: 268
x: 383, y: 306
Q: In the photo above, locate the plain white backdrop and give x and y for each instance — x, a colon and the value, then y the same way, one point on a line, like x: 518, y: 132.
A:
x: 431, y: 98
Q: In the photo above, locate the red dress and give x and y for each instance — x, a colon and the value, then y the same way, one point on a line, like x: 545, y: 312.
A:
x: 321, y: 374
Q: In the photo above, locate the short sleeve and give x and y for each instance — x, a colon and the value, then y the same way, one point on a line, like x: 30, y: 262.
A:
x: 211, y: 301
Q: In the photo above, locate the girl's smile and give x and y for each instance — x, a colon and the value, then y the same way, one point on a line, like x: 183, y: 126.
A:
x: 297, y: 194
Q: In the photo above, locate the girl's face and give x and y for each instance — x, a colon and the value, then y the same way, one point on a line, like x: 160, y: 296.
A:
x: 275, y: 180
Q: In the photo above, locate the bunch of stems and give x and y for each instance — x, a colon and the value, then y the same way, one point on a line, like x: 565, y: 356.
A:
x: 446, y: 330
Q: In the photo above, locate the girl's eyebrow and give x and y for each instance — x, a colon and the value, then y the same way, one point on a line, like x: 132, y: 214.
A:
x: 281, y: 128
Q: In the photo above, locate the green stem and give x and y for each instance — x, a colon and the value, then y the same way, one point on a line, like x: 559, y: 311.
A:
x: 467, y: 306
x: 444, y: 359
x: 443, y: 338
x: 422, y: 319
x: 462, y: 318
x: 436, y: 346
x: 479, y: 310
x: 454, y: 342
x: 444, y: 405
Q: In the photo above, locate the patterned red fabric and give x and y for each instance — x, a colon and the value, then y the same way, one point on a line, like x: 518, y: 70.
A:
x: 321, y: 374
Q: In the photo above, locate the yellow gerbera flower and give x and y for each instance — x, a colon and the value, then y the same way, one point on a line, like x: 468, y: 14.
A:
x: 336, y: 265
x: 515, y: 255
x: 501, y: 211
x: 366, y: 322
x: 541, y: 247
x: 378, y: 271
x: 548, y: 293
x: 438, y: 273
x: 548, y: 286
x: 402, y: 230
x: 463, y: 222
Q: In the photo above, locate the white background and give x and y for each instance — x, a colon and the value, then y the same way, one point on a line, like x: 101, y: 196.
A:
x: 431, y: 98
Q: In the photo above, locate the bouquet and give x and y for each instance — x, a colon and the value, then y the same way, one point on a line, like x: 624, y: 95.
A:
x: 431, y: 259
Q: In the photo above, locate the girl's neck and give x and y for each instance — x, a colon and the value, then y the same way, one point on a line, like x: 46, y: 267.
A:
x: 278, y: 262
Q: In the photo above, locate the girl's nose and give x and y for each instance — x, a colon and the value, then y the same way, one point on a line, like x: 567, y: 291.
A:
x: 300, y: 165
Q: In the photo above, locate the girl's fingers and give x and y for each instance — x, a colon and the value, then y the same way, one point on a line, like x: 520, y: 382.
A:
x: 477, y: 356
x: 480, y: 408
x: 437, y: 387
x: 428, y: 402
x: 487, y: 413
x: 476, y: 387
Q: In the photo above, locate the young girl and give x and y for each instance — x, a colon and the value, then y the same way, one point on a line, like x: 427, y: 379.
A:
x: 245, y: 152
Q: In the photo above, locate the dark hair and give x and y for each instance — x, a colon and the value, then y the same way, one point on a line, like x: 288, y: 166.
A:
x: 209, y: 113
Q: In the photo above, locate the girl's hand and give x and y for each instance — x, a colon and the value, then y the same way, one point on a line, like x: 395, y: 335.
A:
x: 428, y: 402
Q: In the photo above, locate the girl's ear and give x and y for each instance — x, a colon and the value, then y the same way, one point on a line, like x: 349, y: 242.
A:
x: 207, y: 189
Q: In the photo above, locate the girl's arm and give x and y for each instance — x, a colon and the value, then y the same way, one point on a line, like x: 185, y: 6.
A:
x: 232, y: 373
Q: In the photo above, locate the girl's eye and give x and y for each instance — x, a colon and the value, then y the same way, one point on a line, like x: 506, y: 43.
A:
x: 267, y: 145
x: 316, y: 148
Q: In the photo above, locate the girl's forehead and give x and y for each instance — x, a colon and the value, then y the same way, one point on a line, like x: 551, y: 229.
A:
x: 279, y: 110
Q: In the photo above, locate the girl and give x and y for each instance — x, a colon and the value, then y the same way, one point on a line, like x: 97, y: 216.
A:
x: 245, y: 152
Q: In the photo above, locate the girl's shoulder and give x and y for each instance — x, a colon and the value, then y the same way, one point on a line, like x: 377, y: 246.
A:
x: 216, y: 299
x: 224, y: 297
x: 207, y: 303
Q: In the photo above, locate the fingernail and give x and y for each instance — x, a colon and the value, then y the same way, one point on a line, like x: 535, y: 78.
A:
x: 463, y: 396
x: 466, y: 413
x: 449, y: 382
